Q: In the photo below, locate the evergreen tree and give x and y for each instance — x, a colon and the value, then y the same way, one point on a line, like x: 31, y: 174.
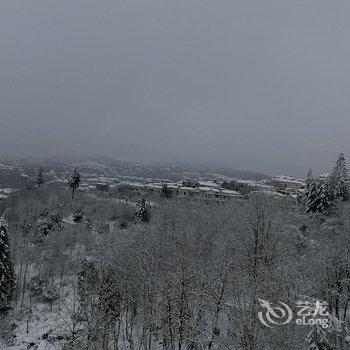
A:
x: 324, y: 198
x: 310, y: 197
x: 7, y: 275
x: 303, y: 197
x: 339, y: 179
x: 87, y: 280
x: 40, y: 176
x: 74, y: 181
x: 318, y: 196
x: 166, y: 193
x: 141, y: 212
x: 309, y: 178
x: 317, y: 339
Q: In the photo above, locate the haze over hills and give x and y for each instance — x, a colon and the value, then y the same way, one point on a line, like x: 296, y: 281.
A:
x: 19, y: 172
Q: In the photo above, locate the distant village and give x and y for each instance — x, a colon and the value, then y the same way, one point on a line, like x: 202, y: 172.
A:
x: 212, y: 190
x: 102, y: 176
x: 217, y: 189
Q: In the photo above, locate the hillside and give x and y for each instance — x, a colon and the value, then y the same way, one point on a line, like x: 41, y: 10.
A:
x: 17, y: 172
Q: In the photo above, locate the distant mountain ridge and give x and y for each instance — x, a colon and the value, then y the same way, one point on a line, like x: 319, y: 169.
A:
x: 16, y: 171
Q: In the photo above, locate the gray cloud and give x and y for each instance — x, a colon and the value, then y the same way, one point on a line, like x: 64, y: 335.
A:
x: 257, y: 84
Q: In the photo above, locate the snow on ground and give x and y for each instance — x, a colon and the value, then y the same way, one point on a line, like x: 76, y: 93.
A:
x: 3, y: 346
x: 250, y: 182
x: 69, y: 220
x: 92, y: 164
x: 273, y: 193
x: 220, y: 176
x: 6, y: 167
x: 42, y: 322
x: 206, y: 183
x: 288, y: 179
x: 8, y: 190
x: 43, y: 326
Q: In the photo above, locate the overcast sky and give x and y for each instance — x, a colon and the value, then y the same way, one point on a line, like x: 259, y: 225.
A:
x: 261, y: 85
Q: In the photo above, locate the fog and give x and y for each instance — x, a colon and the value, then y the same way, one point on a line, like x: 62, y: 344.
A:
x: 261, y: 85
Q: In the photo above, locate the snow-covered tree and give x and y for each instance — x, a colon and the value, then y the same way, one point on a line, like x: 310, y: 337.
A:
x: 87, y: 279
x: 324, y: 198
x: 78, y: 215
x: 327, y: 338
x: 40, y: 176
x: 317, y: 339
x: 166, y: 193
x: 309, y: 178
x: 6, y: 267
x: 141, y: 212
x: 311, y: 196
x: 339, y: 179
x: 74, y: 181
x: 303, y: 196
x: 57, y: 219
x: 318, y: 196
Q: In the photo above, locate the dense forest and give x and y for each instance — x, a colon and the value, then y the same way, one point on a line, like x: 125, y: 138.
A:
x: 79, y: 270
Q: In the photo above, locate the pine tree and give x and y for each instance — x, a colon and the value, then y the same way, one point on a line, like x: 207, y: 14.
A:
x: 309, y: 178
x: 324, y: 198
x: 166, y: 193
x: 302, y: 197
x: 7, y: 275
x: 318, y: 196
x: 74, y: 181
x: 141, y: 212
x: 40, y: 176
x: 311, y: 194
x: 339, y: 179
x: 87, y: 280
x: 317, y: 339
